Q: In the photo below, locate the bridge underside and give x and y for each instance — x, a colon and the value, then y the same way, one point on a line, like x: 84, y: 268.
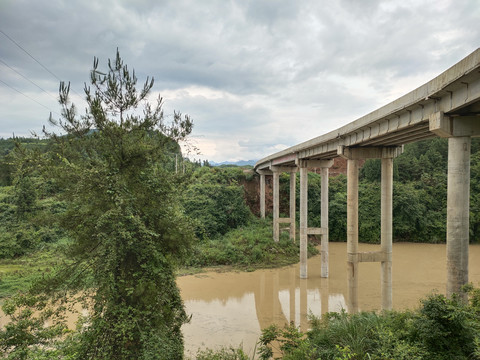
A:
x: 447, y: 106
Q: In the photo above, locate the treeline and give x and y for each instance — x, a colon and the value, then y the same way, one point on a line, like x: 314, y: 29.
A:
x: 419, y: 196
x: 213, y: 198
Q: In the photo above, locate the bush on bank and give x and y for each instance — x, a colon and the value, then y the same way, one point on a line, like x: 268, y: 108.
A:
x: 247, y: 246
x: 439, y: 329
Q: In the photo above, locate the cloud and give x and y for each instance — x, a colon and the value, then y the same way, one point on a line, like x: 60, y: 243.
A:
x: 255, y: 75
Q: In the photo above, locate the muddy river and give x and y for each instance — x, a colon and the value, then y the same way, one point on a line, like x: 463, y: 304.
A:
x: 232, y: 308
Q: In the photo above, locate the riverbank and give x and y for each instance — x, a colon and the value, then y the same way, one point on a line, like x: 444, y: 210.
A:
x: 244, y: 249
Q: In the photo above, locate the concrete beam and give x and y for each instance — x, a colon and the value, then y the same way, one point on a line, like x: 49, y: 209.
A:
x: 370, y: 256
x: 459, y: 126
x: 374, y: 152
x: 284, y: 159
x: 264, y: 172
x: 314, y: 163
x: 317, y: 231
x: 284, y: 169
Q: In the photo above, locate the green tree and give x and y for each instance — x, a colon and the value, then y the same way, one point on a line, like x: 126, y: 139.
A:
x: 123, y: 217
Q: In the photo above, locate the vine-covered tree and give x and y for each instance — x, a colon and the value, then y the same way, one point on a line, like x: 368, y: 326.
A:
x: 123, y: 217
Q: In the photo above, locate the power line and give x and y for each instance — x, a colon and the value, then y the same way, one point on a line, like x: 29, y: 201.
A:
x: 26, y: 78
x: 37, y: 61
x: 11, y: 87
x: 26, y: 52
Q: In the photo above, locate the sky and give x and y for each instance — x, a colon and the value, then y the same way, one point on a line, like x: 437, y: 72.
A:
x: 256, y: 76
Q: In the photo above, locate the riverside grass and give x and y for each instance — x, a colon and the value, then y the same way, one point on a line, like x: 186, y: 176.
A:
x: 247, y: 248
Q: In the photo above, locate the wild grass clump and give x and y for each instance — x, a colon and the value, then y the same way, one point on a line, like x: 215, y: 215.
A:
x: 222, y: 354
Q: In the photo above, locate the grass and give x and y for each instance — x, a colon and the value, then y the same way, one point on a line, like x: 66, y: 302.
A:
x: 244, y: 249
x: 18, y: 274
x: 247, y: 248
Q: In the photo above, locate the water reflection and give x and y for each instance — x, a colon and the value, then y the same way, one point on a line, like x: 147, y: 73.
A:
x: 232, y: 308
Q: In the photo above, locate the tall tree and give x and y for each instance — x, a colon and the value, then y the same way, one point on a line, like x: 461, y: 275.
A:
x: 123, y: 216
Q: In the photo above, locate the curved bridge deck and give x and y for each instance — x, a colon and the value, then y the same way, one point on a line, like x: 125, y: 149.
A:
x: 447, y: 106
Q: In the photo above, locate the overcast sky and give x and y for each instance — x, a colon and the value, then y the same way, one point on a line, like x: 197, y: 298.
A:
x: 256, y: 76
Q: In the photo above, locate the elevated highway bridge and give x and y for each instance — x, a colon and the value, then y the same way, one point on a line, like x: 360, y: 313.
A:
x: 447, y: 106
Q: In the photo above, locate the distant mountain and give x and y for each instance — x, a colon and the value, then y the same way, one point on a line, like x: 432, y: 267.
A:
x: 236, y: 163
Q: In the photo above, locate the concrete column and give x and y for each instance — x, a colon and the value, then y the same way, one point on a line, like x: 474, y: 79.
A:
x: 386, y: 231
x: 293, y: 183
x: 324, y: 222
x: 262, y: 196
x: 458, y: 207
x: 352, y: 234
x: 303, y: 221
x: 276, y: 206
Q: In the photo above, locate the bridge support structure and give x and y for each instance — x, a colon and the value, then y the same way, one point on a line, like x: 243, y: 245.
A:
x: 263, y: 173
x: 458, y: 130
x: 277, y: 220
x: 304, y: 165
x: 384, y: 256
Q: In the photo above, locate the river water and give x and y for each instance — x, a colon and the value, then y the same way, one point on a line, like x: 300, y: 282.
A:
x: 232, y: 308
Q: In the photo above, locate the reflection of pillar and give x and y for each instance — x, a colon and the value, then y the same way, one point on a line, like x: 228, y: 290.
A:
x: 293, y: 181
x: 324, y: 293
x: 303, y: 305
x: 303, y: 221
x: 386, y: 231
x: 275, y: 300
x: 458, y: 208
x: 292, y: 295
x: 324, y: 222
x: 262, y: 196
x: 352, y: 234
x: 276, y: 206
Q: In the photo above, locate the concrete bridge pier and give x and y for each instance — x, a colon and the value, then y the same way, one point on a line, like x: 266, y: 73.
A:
x: 386, y: 224
x: 458, y: 208
x: 352, y: 234
x: 263, y: 173
x: 276, y: 170
x: 304, y: 165
x: 458, y: 130
x: 384, y: 256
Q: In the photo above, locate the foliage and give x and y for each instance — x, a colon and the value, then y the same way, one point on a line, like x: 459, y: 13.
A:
x: 440, y: 329
x: 215, y: 200
x: 222, y: 354
x: 123, y: 217
x: 27, y: 333
x: 216, y: 208
x: 23, y: 219
x: 248, y: 246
